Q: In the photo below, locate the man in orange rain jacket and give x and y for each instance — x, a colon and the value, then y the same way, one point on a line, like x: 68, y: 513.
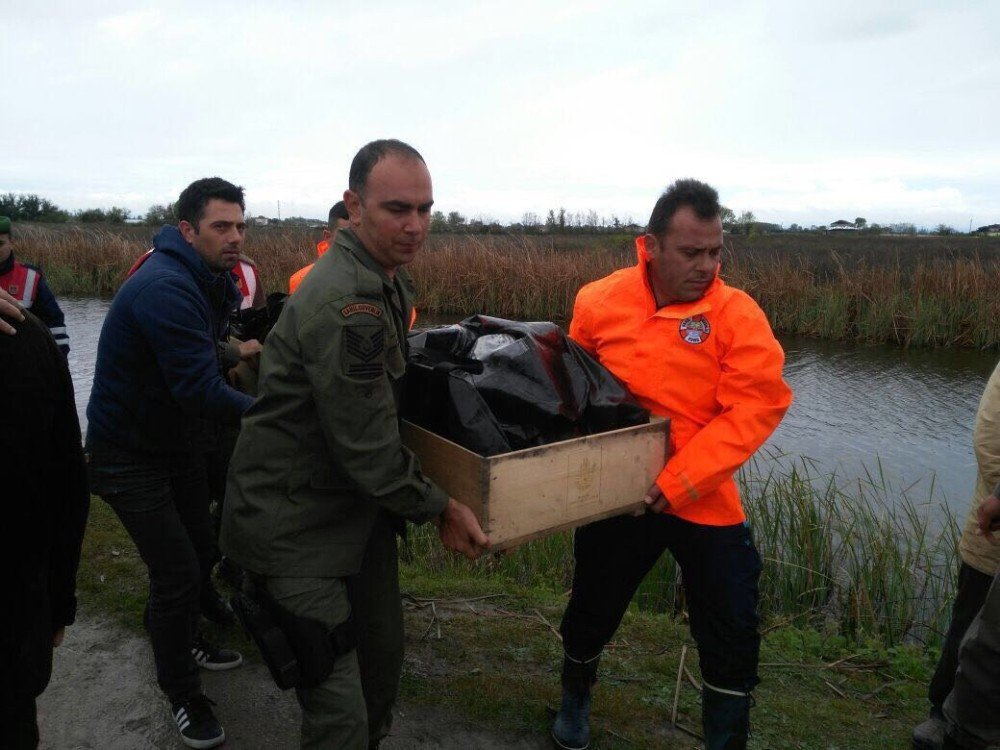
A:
x: 337, y: 220
x: 701, y: 353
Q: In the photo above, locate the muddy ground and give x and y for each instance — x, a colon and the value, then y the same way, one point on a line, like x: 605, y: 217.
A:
x: 103, y: 695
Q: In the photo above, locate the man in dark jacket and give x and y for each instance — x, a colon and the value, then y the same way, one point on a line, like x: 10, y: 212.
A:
x: 45, y: 511
x: 159, y: 395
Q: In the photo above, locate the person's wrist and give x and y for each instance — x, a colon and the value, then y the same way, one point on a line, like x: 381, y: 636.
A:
x: 439, y: 518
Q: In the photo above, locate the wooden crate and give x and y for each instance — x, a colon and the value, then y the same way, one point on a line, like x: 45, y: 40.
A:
x: 530, y: 493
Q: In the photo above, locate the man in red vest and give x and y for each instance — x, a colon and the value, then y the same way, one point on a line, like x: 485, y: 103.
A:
x: 25, y: 283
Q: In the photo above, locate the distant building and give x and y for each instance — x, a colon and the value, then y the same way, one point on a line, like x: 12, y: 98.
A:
x: 841, y: 226
x: 259, y: 221
x: 990, y: 230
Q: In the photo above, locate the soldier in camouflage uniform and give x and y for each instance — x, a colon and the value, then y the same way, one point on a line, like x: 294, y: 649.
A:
x: 320, y: 481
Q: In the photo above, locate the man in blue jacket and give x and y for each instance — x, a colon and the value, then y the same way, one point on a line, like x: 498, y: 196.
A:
x: 159, y: 396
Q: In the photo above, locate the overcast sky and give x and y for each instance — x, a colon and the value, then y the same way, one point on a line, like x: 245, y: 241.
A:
x: 801, y: 112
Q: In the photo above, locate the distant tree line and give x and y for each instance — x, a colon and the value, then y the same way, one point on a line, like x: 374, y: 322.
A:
x: 558, y: 221
x: 31, y: 207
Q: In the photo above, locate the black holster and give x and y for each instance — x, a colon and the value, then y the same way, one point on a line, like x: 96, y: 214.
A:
x: 299, y: 651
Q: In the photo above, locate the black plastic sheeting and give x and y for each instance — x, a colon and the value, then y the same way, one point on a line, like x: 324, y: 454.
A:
x: 495, y: 386
x: 256, y: 323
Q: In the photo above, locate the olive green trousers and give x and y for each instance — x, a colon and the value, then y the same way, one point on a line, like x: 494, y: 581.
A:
x: 973, y: 706
x: 352, y: 709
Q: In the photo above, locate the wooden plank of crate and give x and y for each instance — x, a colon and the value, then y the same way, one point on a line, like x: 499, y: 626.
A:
x: 457, y: 470
x: 541, y: 490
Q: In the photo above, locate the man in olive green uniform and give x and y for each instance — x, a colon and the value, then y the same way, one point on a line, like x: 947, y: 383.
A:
x: 320, y: 480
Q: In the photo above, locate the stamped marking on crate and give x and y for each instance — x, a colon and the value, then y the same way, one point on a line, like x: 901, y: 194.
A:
x: 585, y: 473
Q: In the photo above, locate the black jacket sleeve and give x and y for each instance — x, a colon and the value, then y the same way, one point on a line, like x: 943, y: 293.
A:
x: 72, y: 502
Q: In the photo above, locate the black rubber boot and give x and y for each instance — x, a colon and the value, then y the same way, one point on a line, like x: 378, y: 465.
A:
x: 955, y: 739
x: 725, y: 719
x: 571, y: 728
x: 929, y: 734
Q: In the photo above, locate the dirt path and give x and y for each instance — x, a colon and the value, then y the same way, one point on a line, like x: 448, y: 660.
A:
x: 103, y: 695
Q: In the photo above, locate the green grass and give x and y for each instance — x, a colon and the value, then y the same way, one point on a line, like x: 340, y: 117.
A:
x: 854, y: 596
x: 496, y: 660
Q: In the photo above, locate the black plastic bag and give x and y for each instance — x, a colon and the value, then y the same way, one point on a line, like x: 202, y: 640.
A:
x: 256, y: 323
x: 494, y: 386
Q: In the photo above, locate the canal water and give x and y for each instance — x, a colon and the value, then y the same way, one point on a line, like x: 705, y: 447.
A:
x: 905, y: 414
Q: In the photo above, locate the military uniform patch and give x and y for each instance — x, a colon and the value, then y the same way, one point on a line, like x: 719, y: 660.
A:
x: 695, y: 330
x: 361, y: 307
x: 364, y: 350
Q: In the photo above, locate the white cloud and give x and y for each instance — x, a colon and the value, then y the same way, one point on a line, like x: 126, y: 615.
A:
x: 794, y: 110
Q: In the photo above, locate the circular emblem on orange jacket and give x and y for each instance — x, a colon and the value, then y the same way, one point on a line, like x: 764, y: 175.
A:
x: 695, y: 330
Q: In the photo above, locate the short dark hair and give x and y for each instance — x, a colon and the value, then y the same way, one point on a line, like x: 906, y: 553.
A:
x: 190, y: 207
x: 337, y: 211
x: 704, y: 199
x: 371, y: 154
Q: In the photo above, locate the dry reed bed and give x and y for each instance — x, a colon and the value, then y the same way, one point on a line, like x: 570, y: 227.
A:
x: 910, y: 291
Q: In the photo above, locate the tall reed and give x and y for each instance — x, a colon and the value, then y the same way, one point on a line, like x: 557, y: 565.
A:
x: 909, y: 291
x: 515, y: 277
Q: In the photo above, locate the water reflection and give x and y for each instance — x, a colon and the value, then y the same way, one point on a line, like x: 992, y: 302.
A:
x: 910, y: 412
x: 84, y: 318
x: 854, y: 405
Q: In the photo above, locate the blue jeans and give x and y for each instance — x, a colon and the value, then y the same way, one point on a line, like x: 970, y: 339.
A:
x: 162, y: 501
x: 720, y: 568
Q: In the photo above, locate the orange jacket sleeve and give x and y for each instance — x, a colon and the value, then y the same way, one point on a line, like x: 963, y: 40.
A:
x: 752, y: 397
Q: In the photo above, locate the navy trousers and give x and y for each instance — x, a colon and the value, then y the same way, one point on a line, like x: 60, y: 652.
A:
x: 720, y: 568
x: 162, y: 501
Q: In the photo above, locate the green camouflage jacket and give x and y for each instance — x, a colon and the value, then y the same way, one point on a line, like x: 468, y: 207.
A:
x: 319, y: 452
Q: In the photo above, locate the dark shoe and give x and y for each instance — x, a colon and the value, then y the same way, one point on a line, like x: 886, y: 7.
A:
x: 208, y: 656
x: 929, y: 734
x: 725, y: 719
x: 196, y: 722
x: 214, y: 607
x: 571, y: 728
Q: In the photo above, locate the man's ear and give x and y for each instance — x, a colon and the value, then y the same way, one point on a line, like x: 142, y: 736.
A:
x: 649, y: 244
x: 187, y: 230
x: 353, y: 202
